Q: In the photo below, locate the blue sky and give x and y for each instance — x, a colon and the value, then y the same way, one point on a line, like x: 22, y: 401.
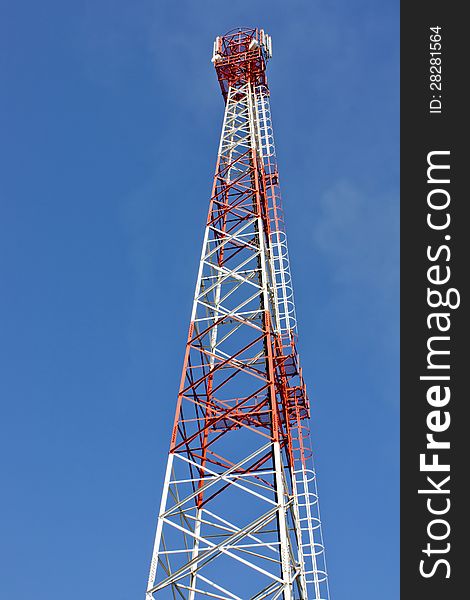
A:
x: 110, y: 116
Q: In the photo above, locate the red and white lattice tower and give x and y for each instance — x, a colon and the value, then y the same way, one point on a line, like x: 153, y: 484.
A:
x: 239, y: 515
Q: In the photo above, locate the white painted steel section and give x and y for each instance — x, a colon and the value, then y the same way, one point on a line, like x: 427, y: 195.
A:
x: 158, y: 535
x: 195, y: 553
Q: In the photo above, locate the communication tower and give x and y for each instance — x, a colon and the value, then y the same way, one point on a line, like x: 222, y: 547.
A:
x: 239, y: 515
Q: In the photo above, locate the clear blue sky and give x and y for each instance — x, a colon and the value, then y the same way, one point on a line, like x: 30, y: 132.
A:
x: 110, y: 116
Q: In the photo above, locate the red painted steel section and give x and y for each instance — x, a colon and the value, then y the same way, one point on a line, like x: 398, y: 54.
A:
x: 275, y: 407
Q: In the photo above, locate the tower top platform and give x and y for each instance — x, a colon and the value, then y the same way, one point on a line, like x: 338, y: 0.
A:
x: 240, y: 56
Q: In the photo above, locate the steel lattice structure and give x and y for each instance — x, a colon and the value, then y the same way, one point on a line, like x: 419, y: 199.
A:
x: 239, y: 515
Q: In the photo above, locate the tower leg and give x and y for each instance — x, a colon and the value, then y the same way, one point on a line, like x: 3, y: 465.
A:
x: 197, y: 533
x: 282, y: 520
x: 158, y: 534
